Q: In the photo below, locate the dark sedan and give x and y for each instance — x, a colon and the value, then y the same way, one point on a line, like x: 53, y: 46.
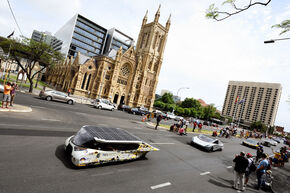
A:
x: 136, y: 111
x: 124, y: 108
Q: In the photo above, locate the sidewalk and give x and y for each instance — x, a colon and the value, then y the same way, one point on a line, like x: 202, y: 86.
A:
x: 17, y: 108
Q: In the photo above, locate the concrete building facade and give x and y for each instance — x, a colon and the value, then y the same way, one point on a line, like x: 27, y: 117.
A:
x: 129, y: 77
x: 252, y: 101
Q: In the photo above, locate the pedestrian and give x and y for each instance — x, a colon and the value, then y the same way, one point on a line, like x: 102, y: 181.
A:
x: 186, y: 125
x: 251, y: 168
x: 199, y: 127
x: 6, y: 94
x: 241, y: 163
x: 194, y: 126
x: 68, y: 92
x: 158, y: 119
x: 260, y: 150
x: 261, y: 169
x: 12, y: 93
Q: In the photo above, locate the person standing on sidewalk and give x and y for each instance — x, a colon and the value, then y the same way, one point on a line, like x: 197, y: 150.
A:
x: 199, y: 127
x: 6, y: 94
x: 241, y: 163
x: 249, y: 168
x: 194, y: 126
x: 158, y: 119
x: 12, y: 93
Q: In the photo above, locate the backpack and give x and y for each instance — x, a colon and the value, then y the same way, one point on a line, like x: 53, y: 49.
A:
x: 252, y: 167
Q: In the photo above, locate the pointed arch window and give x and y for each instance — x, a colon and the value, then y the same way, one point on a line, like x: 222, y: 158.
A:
x: 88, y: 82
x: 84, y: 81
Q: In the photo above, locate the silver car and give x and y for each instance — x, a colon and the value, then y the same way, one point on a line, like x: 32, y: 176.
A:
x: 57, y: 96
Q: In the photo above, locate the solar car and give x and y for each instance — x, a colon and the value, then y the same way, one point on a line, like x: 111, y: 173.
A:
x: 207, y: 143
x: 250, y: 143
x: 93, y: 145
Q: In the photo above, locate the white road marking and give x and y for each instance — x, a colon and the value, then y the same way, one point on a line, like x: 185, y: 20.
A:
x: 162, y: 143
x: 229, y: 166
x: 204, y: 173
x: 50, y: 120
x: 138, y: 128
x: 160, y: 185
x: 103, y: 174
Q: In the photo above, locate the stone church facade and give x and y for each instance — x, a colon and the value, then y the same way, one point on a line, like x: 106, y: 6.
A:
x: 130, y: 78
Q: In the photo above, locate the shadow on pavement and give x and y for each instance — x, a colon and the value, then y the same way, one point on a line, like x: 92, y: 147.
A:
x: 30, y: 132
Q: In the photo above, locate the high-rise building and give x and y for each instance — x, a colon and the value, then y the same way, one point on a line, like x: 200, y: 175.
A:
x: 82, y: 35
x: 130, y: 77
x: 252, y: 101
x: 48, y: 38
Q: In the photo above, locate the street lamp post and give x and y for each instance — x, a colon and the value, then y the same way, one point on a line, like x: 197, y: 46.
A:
x: 273, y: 40
x: 181, y: 89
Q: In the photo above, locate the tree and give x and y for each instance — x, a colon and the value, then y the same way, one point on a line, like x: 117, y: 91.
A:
x: 37, y: 54
x: 259, y: 126
x: 190, y: 103
x: 213, y: 12
x: 167, y: 98
x: 209, y: 111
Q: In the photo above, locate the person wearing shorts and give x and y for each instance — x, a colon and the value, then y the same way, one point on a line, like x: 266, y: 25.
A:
x: 6, y: 94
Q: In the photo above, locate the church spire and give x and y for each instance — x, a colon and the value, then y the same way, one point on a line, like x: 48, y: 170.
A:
x: 145, y: 18
x: 157, y: 15
x: 168, y: 23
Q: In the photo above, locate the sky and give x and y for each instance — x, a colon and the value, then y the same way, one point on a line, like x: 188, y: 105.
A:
x: 200, y: 53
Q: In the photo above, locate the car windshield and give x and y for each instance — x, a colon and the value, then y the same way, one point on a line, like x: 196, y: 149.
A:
x: 82, y: 137
x: 206, y: 139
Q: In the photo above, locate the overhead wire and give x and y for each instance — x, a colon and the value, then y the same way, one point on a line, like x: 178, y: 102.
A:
x: 14, y: 17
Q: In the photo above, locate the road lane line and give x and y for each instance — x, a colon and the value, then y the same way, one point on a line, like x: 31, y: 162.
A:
x: 204, y: 173
x: 229, y: 166
x: 50, y: 120
x: 38, y: 107
x: 162, y: 143
x: 103, y: 174
x: 160, y: 185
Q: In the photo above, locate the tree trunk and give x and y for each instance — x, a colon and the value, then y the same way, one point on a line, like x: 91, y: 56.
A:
x: 31, y: 85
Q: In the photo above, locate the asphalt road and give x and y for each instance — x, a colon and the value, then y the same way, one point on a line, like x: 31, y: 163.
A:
x: 33, y: 160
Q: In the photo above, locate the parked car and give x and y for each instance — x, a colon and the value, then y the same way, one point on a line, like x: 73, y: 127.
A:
x: 250, y: 143
x: 1, y: 88
x: 270, y: 141
x: 144, y: 110
x: 207, y: 143
x: 104, y: 104
x: 207, y: 123
x: 57, y: 96
x: 94, y: 145
x: 178, y: 118
x: 170, y: 115
x: 124, y: 107
x: 136, y: 111
x: 278, y: 140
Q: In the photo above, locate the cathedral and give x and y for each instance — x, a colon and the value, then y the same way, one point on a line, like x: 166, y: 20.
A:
x: 130, y: 77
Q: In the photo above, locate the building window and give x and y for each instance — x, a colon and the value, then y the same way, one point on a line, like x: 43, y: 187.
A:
x: 84, y: 81
x: 88, y: 82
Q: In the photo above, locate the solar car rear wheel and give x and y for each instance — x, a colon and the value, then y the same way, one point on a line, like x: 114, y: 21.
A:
x: 70, y: 102
x: 68, y: 149
x: 48, y: 98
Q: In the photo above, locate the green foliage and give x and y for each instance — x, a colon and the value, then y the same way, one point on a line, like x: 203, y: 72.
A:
x: 167, y: 98
x: 190, y: 103
x: 212, y: 12
x: 284, y: 25
x: 228, y: 2
x: 159, y: 104
x: 259, y: 126
x: 271, y: 130
x: 209, y: 111
x: 37, y: 54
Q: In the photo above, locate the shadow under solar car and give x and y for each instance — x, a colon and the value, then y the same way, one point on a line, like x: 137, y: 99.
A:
x: 93, y: 145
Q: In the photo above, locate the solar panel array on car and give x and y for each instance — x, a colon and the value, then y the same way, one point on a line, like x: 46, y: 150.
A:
x: 110, y: 133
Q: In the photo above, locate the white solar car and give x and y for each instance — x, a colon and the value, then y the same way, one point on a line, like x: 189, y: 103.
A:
x: 94, y: 145
x: 207, y: 143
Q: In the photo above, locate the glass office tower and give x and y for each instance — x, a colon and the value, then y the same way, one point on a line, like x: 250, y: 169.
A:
x: 82, y: 35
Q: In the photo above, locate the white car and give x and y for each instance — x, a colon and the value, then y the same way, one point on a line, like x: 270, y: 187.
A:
x: 170, y: 115
x: 104, y: 104
x: 207, y: 143
x: 94, y: 145
x: 270, y: 141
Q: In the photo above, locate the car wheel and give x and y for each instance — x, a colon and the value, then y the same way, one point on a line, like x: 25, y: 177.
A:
x: 100, y: 107
x: 48, y: 98
x: 70, y: 102
x: 112, y: 109
x: 211, y: 149
x: 134, y: 113
x: 68, y: 149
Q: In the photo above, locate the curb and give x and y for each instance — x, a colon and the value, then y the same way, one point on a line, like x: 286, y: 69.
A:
x: 24, y: 110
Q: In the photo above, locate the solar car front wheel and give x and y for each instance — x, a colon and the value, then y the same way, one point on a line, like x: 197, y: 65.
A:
x: 70, y: 102
x: 48, y: 98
